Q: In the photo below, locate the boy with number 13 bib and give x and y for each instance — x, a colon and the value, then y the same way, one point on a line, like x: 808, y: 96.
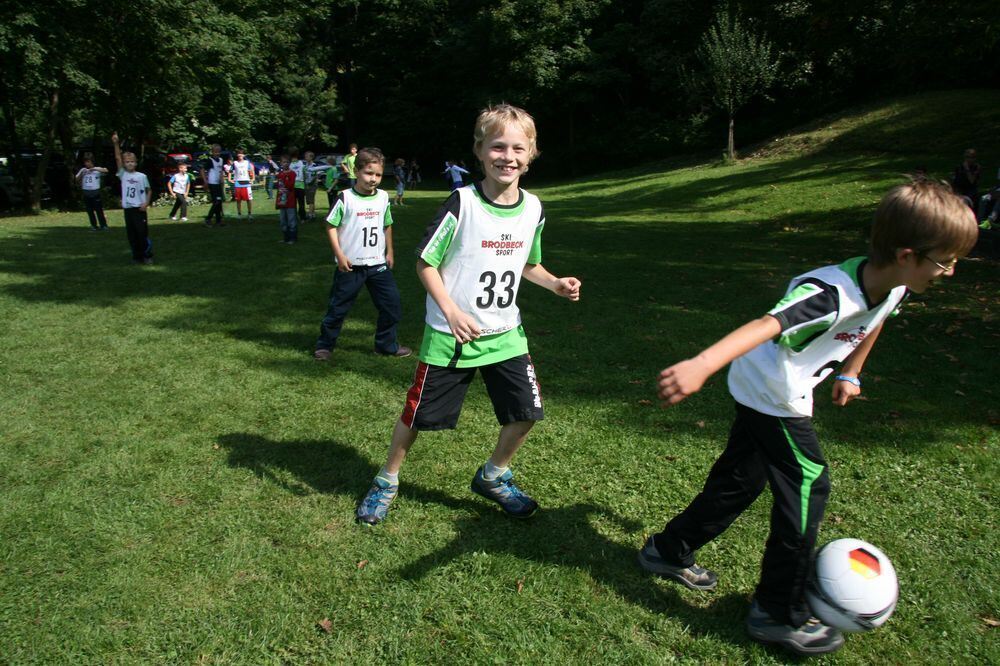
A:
x: 484, y: 239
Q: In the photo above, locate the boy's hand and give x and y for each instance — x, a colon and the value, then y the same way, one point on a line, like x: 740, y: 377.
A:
x: 568, y: 287
x: 681, y: 380
x: 343, y: 263
x: 390, y: 260
x: 114, y: 137
x: 143, y: 207
x: 844, y: 392
x: 462, y: 325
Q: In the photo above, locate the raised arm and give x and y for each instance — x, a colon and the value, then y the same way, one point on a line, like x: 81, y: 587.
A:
x: 462, y: 325
x: 682, y: 379
x: 118, y: 151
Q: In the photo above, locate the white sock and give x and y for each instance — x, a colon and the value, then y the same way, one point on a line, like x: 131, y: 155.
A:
x: 491, y: 471
x: 393, y: 479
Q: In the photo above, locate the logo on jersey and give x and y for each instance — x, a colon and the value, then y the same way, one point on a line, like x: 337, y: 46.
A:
x: 852, y: 338
x: 503, y: 247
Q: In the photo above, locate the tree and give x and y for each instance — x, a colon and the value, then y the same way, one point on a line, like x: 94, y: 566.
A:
x: 737, y: 65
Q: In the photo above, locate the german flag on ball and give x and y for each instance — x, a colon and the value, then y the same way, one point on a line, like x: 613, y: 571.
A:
x: 864, y: 563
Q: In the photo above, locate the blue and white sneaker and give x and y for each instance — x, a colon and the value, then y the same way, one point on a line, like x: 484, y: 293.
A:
x: 376, y: 503
x: 504, y: 492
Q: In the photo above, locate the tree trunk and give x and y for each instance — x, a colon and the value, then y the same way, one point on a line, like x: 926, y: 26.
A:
x: 730, y: 148
x: 43, y: 164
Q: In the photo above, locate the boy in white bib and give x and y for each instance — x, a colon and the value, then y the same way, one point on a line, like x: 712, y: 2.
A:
x: 485, y: 238
x: 136, y: 196
x: 825, y: 325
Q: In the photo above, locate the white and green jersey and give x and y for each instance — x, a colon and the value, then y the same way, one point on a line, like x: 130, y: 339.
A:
x: 90, y: 179
x: 134, y: 187
x: 361, y: 221
x: 480, y: 249
x: 241, y: 170
x: 824, y: 316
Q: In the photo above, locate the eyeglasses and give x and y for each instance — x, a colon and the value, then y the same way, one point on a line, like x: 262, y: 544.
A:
x: 944, y: 267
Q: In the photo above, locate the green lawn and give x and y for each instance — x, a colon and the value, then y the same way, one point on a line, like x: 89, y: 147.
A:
x: 178, y: 476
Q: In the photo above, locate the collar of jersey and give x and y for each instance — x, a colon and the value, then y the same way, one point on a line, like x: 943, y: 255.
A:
x: 500, y: 210
x: 365, y: 196
x: 855, y: 268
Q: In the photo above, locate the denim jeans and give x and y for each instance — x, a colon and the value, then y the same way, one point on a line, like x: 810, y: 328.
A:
x: 289, y: 224
x: 385, y: 296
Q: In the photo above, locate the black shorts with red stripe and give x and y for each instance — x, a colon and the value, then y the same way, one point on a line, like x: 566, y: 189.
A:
x: 435, y: 399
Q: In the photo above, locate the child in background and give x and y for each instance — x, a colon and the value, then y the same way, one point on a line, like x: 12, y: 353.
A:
x: 330, y: 182
x: 285, y: 201
x: 347, y: 166
x: 360, y: 233
x: 179, y: 186
x: 242, y: 179
x: 399, y: 172
x: 89, y: 178
x: 484, y: 239
x: 136, y: 196
x: 310, y: 176
x: 829, y: 318
x: 213, y: 177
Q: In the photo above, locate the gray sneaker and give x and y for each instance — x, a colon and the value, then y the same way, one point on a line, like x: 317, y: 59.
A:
x: 811, y: 638
x: 503, y: 491
x: 693, y: 577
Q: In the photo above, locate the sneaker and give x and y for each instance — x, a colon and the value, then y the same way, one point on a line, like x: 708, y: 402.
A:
x: 504, y: 492
x: 813, y: 637
x: 105, y: 228
x: 173, y: 217
x: 402, y: 352
x: 184, y: 219
x: 148, y: 261
x: 249, y: 218
x: 319, y: 354
x: 692, y: 577
x: 93, y: 228
x: 376, y: 503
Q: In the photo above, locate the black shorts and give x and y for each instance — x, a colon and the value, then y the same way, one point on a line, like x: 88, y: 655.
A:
x: 435, y: 399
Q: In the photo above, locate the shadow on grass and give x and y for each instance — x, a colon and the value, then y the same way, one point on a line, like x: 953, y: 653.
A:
x: 563, y: 536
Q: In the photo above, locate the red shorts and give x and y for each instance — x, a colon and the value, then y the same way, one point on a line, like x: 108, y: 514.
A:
x: 242, y: 194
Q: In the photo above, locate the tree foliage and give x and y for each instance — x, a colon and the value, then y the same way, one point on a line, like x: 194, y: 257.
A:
x: 604, y: 79
x: 737, y: 63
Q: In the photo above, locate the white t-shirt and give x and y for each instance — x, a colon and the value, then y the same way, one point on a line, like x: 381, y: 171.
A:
x: 824, y: 316
x: 361, y: 223
x: 299, y: 167
x: 91, y: 179
x: 134, y: 188
x: 179, y: 183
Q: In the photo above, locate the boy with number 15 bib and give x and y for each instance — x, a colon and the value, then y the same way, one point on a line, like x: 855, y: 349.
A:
x: 485, y: 238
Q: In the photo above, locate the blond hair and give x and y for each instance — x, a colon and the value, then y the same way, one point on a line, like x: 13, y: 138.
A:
x: 495, y: 119
x: 924, y: 216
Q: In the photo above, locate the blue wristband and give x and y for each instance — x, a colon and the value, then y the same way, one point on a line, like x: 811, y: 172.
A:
x: 849, y: 380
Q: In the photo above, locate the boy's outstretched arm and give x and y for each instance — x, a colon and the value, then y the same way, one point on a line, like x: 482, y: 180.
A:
x: 682, y: 379
x: 118, y: 151
x: 462, y: 325
x: 843, y: 391
x: 568, y: 287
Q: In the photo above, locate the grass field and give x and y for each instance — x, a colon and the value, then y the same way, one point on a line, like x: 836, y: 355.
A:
x: 178, y: 476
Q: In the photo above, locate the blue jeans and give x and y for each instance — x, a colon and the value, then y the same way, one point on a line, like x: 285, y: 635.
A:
x: 289, y: 224
x: 385, y: 295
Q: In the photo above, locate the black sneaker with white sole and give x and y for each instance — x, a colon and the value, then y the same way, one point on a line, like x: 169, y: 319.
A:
x: 812, y: 638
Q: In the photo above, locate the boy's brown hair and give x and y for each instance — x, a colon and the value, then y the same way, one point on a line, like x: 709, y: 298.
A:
x: 924, y: 216
x: 368, y: 156
x: 494, y: 119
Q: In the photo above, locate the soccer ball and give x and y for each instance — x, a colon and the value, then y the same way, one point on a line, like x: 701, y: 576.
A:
x: 853, y: 587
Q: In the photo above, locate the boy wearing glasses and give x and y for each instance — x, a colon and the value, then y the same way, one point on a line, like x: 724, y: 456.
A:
x: 829, y: 319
